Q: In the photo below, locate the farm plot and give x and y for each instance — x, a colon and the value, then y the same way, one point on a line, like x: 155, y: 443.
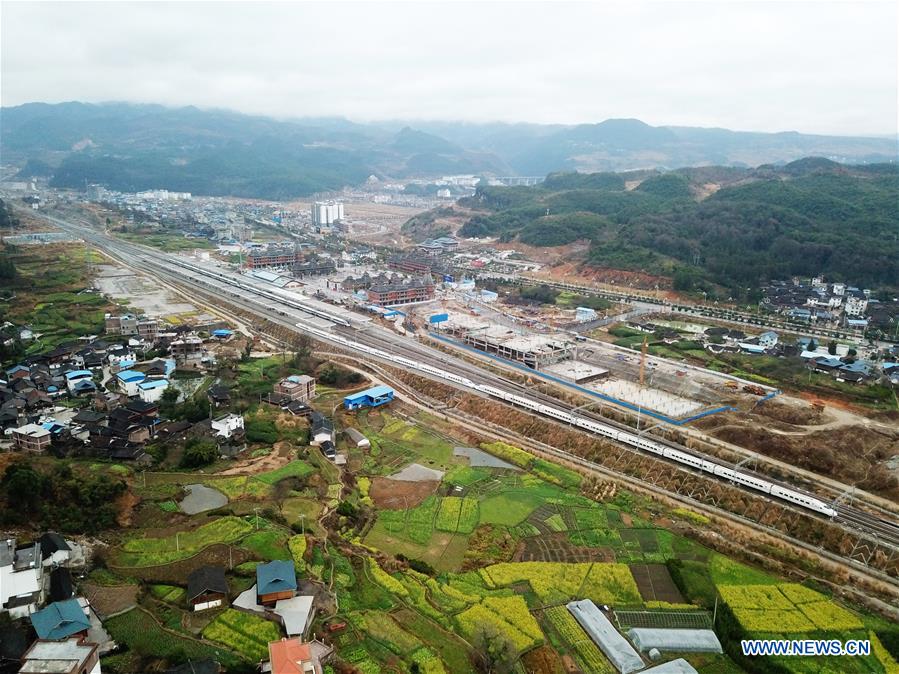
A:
x: 145, y: 551
x: 587, y: 654
x: 168, y: 593
x: 769, y: 608
x: 141, y: 633
x: 557, y: 582
x: 558, y: 548
x: 244, y: 633
x: 295, y: 468
x: 509, y: 615
x: 655, y: 583
x: 457, y: 514
x: 384, y: 629
x: 415, y: 524
x: 267, y: 544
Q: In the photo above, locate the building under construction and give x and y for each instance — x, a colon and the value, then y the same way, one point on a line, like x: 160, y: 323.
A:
x: 534, y: 350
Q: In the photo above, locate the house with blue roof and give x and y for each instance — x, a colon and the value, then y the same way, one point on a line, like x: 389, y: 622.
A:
x: 853, y: 372
x: 826, y: 364
x: 60, y: 620
x: 128, y: 381
x: 16, y: 372
x: 84, y: 387
x: 151, y: 390
x: 373, y: 397
x: 75, y: 376
x: 275, y: 581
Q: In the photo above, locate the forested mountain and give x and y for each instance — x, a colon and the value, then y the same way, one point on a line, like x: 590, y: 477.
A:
x: 730, y: 227
x: 216, y: 152
x: 135, y: 147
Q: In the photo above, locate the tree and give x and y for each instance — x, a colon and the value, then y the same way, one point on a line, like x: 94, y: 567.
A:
x: 347, y: 509
x: 7, y: 268
x: 493, y: 652
x: 199, y: 452
x: 832, y: 348
x: 23, y: 486
x: 170, y: 395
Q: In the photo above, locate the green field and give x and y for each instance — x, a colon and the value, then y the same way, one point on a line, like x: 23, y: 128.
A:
x: 144, y: 636
x: 419, y: 584
x: 243, y: 633
x: 292, y: 469
x: 267, y: 544
x: 148, y: 551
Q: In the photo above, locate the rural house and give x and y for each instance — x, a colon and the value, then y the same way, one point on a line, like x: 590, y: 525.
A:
x: 275, y: 580
x: 207, y: 588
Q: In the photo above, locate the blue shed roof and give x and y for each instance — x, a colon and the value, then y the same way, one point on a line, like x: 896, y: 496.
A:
x: 857, y: 366
x: 276, y: 576
x: 373, y: 392
x: 131, y: 375
x: 78, y: 373
x: 153, y: 383
x: 59, y: 620
x: 222, y: 332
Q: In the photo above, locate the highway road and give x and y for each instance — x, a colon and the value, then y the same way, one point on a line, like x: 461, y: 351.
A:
x: 883, y: 527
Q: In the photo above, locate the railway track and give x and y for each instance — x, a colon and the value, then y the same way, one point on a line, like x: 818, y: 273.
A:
x: 881, y: 526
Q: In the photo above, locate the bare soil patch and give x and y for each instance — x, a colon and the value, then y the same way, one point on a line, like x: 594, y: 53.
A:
x: 578, y: 272
x: 655, y: 583
x: 852, y: 454
x: 396, y: 495
x: 109, y: 600
x: 557, y: 548
x: 796, y: 414
x: 281, y: 455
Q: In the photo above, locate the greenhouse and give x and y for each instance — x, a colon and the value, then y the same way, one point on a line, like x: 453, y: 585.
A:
x: 680, y: 640
x: 604, y: 635
x: 679, y: 666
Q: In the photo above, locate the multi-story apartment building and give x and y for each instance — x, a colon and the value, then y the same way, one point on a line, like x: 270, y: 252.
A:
x: 297, y: 387
x: 416, y: 290
x: 129, y: 324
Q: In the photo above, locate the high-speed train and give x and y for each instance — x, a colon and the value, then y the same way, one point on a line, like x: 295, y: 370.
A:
x: 754, y: 482
x: 633, y: 439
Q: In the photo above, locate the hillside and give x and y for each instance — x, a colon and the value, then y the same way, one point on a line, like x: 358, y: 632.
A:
x: 214, y: 152
x: 810, y: 216
x: 217, y: 152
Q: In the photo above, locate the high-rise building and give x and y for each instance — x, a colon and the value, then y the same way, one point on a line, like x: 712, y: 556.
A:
x: 326, y: 213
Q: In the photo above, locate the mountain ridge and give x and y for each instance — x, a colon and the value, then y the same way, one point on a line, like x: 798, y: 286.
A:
x: 139, y: 146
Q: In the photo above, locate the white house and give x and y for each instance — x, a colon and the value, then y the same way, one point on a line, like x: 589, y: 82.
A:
x: 227, y: 425
x: 856, y: 305
x: 21, y: 578
x: 123, y: 357
x: 75, y: 376
x: 768, y: 340
x: 129, y: 380
x: 151, y: 391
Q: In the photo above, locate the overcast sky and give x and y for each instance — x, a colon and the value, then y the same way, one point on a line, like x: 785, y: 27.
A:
x: 816, y: 67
